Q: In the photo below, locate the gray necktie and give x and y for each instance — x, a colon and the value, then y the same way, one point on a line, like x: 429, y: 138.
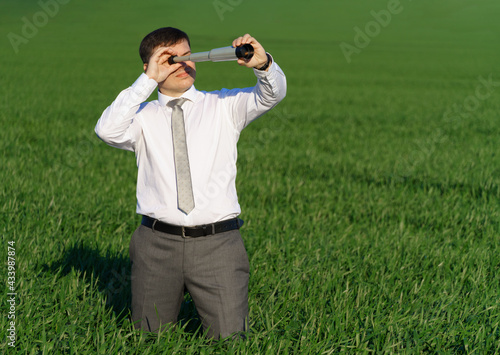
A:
x: 185, y: 199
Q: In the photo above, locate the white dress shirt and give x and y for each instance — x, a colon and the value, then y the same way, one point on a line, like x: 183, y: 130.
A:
x: 213, y: 123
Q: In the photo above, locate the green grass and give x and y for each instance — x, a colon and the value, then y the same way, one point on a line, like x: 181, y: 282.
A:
x: 370, y: 194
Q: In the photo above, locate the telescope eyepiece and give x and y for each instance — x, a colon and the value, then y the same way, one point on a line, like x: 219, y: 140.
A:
x: 245, y: 51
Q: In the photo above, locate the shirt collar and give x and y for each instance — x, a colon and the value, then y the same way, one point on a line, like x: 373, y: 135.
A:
x: 190, y: 94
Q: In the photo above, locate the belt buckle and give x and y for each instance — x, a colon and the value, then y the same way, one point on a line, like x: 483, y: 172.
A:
x: 183, y: 232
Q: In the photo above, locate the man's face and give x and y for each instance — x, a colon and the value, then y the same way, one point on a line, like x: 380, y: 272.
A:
x: 181, y: 79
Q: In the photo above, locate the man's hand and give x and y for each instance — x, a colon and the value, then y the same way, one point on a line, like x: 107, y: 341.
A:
x: 158, y: 67
x: 259, y: 58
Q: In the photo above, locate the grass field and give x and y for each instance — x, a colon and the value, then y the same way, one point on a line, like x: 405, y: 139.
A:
x: 370, y: 195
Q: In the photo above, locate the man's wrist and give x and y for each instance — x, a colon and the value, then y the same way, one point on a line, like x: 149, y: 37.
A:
x: 144, y: 86
x: 267, y: 64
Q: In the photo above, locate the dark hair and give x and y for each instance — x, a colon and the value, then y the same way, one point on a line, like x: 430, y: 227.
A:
x: 165, y: 36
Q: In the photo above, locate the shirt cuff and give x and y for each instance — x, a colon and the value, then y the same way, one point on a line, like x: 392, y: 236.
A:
x: 264, y: 73
x: 144, y: 86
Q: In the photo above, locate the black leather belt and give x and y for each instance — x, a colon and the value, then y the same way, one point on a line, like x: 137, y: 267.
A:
x: 193, y: 232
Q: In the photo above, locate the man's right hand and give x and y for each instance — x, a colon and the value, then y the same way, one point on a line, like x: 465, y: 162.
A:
x: 158, y: 67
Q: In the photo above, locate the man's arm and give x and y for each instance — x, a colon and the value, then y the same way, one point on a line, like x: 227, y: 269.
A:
x: 248, y: 104
x: 115, y: 127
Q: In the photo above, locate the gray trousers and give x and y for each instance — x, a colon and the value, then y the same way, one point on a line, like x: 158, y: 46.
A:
x: 214, y: 270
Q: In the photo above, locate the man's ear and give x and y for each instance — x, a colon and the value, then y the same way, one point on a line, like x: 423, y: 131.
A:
x: 145, y: 66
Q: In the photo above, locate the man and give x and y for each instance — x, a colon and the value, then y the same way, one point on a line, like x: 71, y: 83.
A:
x: 189, y: 236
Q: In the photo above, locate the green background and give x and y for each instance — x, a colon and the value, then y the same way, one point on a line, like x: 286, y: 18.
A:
x: 370, y: 194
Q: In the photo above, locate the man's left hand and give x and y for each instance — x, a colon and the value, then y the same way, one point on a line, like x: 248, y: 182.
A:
x: 259, y: 58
